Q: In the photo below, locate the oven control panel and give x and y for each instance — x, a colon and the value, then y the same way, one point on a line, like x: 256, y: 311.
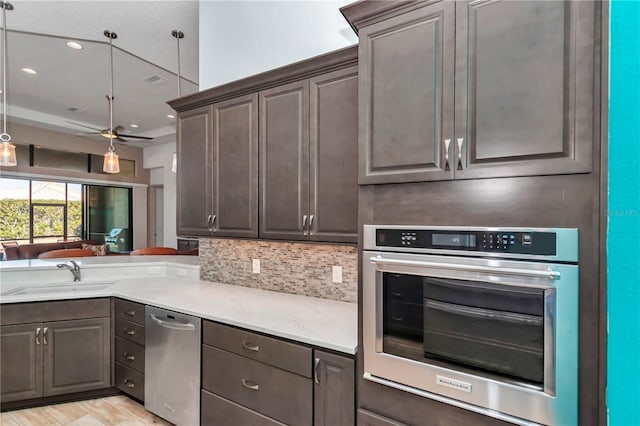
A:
x: 530, y: 243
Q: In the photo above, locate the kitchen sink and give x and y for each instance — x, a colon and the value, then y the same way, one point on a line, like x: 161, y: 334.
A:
x: 58, y: 288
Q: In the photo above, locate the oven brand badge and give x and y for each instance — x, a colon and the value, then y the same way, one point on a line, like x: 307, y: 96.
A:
x: 453, y: 384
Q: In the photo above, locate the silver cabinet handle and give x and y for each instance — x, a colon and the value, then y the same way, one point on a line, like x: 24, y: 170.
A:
x: 460, y: 143
x: 249, y: 385
x: 315, y: 371
x: 129, y: 332
x: 128, y: 383
x: 447, y: 144
x: 129, y: 357
x: 250, y: 347
x: 44, y: 335
x: 311, y: 225
x: 130, y: 313
x: 38, y: 335
x: 210, y: 222
x: 213, y: 222
x: 304, y: 225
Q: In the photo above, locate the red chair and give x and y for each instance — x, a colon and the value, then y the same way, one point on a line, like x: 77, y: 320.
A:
x: 154, y: 251
x: 70, y: 253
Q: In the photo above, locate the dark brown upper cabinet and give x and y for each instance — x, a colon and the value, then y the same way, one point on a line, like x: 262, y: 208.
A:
x: 235, y: 167
x: 284, y: 161
x: 194, y: 175
x: 525, y: 98
x: 308, y: 152
x: 274, y: 155
x: 525, y: 87
x: 406, y: 96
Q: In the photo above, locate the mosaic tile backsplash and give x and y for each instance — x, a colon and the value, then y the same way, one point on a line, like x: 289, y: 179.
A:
x: 297, y: 268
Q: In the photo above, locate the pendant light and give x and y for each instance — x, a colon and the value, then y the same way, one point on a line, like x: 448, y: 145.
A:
x: 7, y: 149
x: 177, y: 35
x: 111, y: 162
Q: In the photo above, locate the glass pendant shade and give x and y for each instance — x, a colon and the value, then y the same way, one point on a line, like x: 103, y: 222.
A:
x: 8, y: 154
x: 111, y: 163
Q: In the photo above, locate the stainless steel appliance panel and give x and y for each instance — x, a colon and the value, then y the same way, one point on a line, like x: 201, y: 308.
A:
x: 172, y: 371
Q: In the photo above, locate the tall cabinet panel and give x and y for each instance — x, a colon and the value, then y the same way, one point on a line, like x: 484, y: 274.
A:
x: 194, y: 176
x: 333, y: 155
x: 524, y: 87
x: 406, y: 96
x: 21, y: 362
x: 284, y: 161
x: 235, y: 169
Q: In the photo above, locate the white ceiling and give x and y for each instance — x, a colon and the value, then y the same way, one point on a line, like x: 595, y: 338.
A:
x: 79, y: 78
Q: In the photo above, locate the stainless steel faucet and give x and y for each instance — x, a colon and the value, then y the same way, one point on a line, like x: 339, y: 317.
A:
x: 75, y: 269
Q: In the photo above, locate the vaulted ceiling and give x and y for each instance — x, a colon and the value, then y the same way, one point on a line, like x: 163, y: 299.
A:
x: 68, y: 78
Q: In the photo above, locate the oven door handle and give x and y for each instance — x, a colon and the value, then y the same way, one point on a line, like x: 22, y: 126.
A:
x: 548, y: 273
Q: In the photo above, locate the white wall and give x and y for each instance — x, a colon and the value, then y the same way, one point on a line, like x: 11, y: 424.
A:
x: 159, y: 157
x: 242, y: 38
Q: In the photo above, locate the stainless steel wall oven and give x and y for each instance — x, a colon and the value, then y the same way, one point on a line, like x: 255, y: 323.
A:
x: 482, y: 318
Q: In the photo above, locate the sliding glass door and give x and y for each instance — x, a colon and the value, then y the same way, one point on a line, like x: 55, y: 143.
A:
x: 109, y: 217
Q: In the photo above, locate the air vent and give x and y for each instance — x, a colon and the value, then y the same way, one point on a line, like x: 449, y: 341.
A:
x: 156, y: 80
x: 74, y: 109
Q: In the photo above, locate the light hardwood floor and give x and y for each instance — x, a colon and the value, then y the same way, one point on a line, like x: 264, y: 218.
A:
x: 114, y: 410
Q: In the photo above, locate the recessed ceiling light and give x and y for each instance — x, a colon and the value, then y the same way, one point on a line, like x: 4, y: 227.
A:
x: 30, y: 71
x: 74, y: 45
x: 135, y: 126
x: 171, y: 116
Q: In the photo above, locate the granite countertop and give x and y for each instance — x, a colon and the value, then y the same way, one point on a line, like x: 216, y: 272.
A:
x: 319, y: 322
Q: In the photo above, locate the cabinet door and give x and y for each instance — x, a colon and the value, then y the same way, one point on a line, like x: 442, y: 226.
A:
x: 77, y: 355
x: 334, y: 156
x: 334, y: 393
x: 235, y: 168
x: 406, y: 66
x: 20, y: 362
x: 284, y: 161
x: 194, y: 175
x: 525, y: 87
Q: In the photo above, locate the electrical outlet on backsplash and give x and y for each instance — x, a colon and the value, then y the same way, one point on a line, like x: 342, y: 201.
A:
x: 298, y: 268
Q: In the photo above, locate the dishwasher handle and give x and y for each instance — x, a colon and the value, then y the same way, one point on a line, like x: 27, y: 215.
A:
x: 173, y: 325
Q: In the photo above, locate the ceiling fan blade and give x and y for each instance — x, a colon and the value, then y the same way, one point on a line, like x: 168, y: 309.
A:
x: 82, y: 125
x: 135, y: 137
x: 88, y: 133
x: 119, y: 139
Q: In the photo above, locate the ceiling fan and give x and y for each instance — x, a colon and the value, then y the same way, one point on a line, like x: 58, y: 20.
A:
x: 117, y: 132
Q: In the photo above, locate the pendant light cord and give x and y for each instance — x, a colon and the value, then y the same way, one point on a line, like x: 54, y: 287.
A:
x: 177, y: 34
x: 111, y: 148
x: 4, y: 137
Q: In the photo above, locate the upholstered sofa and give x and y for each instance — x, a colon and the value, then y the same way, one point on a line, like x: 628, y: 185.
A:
x: 32, y: 251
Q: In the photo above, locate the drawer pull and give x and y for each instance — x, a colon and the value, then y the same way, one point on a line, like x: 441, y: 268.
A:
x: 399, y: 319
x: 129, y: 332
x: 128, y: 383
x: 131, y: 313
x: 396, y: 294
x: 249, y: 385
x: 250, y: 347
x: 129, y: 357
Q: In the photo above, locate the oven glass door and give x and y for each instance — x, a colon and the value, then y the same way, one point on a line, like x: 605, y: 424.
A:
x: 496, y: 330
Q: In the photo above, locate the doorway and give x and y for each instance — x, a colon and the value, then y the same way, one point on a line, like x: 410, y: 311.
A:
x: 156, y: 216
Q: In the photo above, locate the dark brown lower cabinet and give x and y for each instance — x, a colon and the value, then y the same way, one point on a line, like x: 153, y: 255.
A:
x: 64, y: 350
x: 129, y: 347
x: 77, y: 356
x: 367, y: 418
x: 21, y: 362
x: 223, y: 412
x: 334, y: 396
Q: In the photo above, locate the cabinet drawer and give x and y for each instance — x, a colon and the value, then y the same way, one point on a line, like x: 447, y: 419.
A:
x: 130, y: 381
x: 276, y: 393
x: 130, y: 331
x: 222, y: 412
x: 367, y: 418
x: 130, y: 311
x: 272, y: 351
x: 63, y: 310
x: 130, y: 354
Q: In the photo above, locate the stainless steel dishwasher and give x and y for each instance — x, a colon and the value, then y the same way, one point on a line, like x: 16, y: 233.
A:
x: 172, y: 370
